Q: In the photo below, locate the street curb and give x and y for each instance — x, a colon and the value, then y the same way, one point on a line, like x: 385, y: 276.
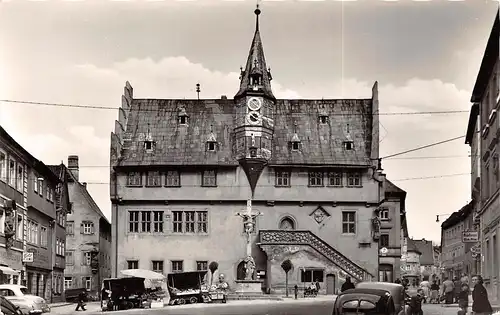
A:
x: 59, y: 305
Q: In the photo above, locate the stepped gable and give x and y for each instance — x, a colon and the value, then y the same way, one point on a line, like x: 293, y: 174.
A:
x: 186, y: 145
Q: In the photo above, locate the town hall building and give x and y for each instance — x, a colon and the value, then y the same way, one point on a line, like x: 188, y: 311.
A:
x: 181, y: 169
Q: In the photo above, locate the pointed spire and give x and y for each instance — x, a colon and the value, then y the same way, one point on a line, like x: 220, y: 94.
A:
x: 256, y: 78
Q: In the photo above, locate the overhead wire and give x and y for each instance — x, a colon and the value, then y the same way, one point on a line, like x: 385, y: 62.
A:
x: 448, y: 112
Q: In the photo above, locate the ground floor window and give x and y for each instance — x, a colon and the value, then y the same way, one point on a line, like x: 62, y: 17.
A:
x: 68, y: 283
x: 385, y: 273
x: 312, y: 275
x: 87, y: 281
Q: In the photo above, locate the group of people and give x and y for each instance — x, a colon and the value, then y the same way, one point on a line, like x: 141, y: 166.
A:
x: 452, y: 291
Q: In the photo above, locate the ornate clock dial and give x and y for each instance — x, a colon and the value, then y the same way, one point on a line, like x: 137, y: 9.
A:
x: 253, y: 118
x: 254, y: 103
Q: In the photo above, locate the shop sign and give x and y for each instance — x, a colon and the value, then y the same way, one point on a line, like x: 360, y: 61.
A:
x: 28, y: 257
x: 470, y: 236
x: 384, y: 251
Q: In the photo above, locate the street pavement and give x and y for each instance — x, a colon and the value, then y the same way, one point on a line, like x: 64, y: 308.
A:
x: 310, y: 306
x: 322, y: 305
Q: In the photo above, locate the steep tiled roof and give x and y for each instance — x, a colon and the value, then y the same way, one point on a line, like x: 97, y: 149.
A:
x: 458, y: 216
x: 411, y: 247
x: 186, y: 145
x: 427, y: 250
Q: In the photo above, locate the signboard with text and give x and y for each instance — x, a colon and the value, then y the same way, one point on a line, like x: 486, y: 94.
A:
x: 470, y: 236
x: 28, y: 257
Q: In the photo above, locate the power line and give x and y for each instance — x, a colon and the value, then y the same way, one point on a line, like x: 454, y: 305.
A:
x: 423, y: 147
x: 267, y: 185
x: 171, y: 111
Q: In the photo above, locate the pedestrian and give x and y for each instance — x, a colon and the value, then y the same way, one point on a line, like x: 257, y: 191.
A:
x: 434, y: 292
x: 448, y: 288
x: 457, y: 287
x: 296, y: 290
x: 82, y: 296
x: 480, y: 304
x: 463, y: 299
x: 317, y: 286
x: 347, y: 284
x: 397, y: 281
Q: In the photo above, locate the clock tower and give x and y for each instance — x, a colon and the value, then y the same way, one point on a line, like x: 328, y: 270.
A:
x: 254, y: 118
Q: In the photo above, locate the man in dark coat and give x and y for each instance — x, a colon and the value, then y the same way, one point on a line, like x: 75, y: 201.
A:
x: 81, y: 301
x: 347, y: 285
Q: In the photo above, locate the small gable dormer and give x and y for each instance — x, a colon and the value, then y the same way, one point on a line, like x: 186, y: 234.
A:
x: 348, y: 143
x: 323, y: 116
x: 295, y: 143
x: 149, y: 143
x: 182, y: 116
x: 211, y: 144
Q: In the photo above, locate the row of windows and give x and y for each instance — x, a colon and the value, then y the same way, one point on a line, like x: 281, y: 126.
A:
x: 12, y: 172
x: 70, y: 283
x: 455, y: 231
x: 282, y: 179
x: 182, y: 221
x: 175, y: 265
x: 317, y: 179
x: 197, y: 222
x: 86, y: 228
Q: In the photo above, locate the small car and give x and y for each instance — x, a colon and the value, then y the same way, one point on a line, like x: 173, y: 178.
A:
x: 19, y: 295
x: 364, y: 301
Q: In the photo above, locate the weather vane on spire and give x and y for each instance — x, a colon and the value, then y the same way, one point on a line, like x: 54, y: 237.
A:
x: 257, y: 12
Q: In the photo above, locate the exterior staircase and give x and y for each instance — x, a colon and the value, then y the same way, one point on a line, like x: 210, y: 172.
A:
x: 296, y: 237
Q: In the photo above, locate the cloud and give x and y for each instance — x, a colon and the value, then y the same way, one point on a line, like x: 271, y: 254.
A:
x: 53, y: 133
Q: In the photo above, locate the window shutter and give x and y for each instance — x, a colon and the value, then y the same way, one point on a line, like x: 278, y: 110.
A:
x: 81, y: 228
x: 83, y: 258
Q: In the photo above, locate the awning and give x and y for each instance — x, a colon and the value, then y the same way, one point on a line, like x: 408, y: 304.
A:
x: 8, y: 271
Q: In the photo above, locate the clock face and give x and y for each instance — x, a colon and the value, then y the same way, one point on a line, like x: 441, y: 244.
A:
x: 254, y: 103
x: 253, y: 118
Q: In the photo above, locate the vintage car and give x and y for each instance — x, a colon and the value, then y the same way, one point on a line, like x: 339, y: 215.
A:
x: 7, y: 308
x: 20, y: 296
x: 364, y: 301
x: 397, y: 292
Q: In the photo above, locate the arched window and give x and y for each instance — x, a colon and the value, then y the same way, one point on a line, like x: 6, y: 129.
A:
x: 287, y: 224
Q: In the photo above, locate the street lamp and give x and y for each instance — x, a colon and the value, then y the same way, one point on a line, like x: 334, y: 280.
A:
x: 441, y: 215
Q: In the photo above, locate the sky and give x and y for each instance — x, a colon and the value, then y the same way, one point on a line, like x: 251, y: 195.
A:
x: 425, y: 56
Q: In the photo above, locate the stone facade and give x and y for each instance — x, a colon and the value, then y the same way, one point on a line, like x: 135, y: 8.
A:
x: 485, y: 178
x: 182, y: 169
x: 88, y: 249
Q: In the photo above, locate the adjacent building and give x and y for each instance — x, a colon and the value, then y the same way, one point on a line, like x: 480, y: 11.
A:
x: 456, y: 255
x: 28, y: 228
x: 182, y: 168
x: 391, y: 230
x: 411, y: 262
x: 428, y: 268
x: 88, y: 236
x: 485, y: 120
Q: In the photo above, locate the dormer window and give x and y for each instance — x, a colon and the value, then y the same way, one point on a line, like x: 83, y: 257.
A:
x: 349, y: 145
x: 211, y: 146
x: 149, y: 144
x: 211, y: 141
x: 183, y: 116
x: 295, y: 142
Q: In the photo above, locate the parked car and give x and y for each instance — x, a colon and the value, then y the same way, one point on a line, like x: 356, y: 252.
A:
x: 7, y: 308
x: 19, y: 295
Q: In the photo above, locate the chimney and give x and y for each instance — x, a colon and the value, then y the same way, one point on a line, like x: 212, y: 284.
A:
x: 84, y: 185
x: 73, y: 166
x: 223, y: 97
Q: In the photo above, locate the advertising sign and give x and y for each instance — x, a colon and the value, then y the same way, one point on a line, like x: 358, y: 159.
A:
x: 28, y: 257
x: 470, y: 236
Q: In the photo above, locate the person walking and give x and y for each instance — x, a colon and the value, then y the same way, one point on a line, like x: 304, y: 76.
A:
x: 347, y: 284
x: 457, y: 284
x: 434, y: 292
x: 463, y: 299
x: 448, y: 288
x: 81, y: 301
x: 480, y: 304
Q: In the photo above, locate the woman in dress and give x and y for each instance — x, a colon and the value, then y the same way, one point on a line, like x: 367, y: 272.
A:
x: 481, y: 304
